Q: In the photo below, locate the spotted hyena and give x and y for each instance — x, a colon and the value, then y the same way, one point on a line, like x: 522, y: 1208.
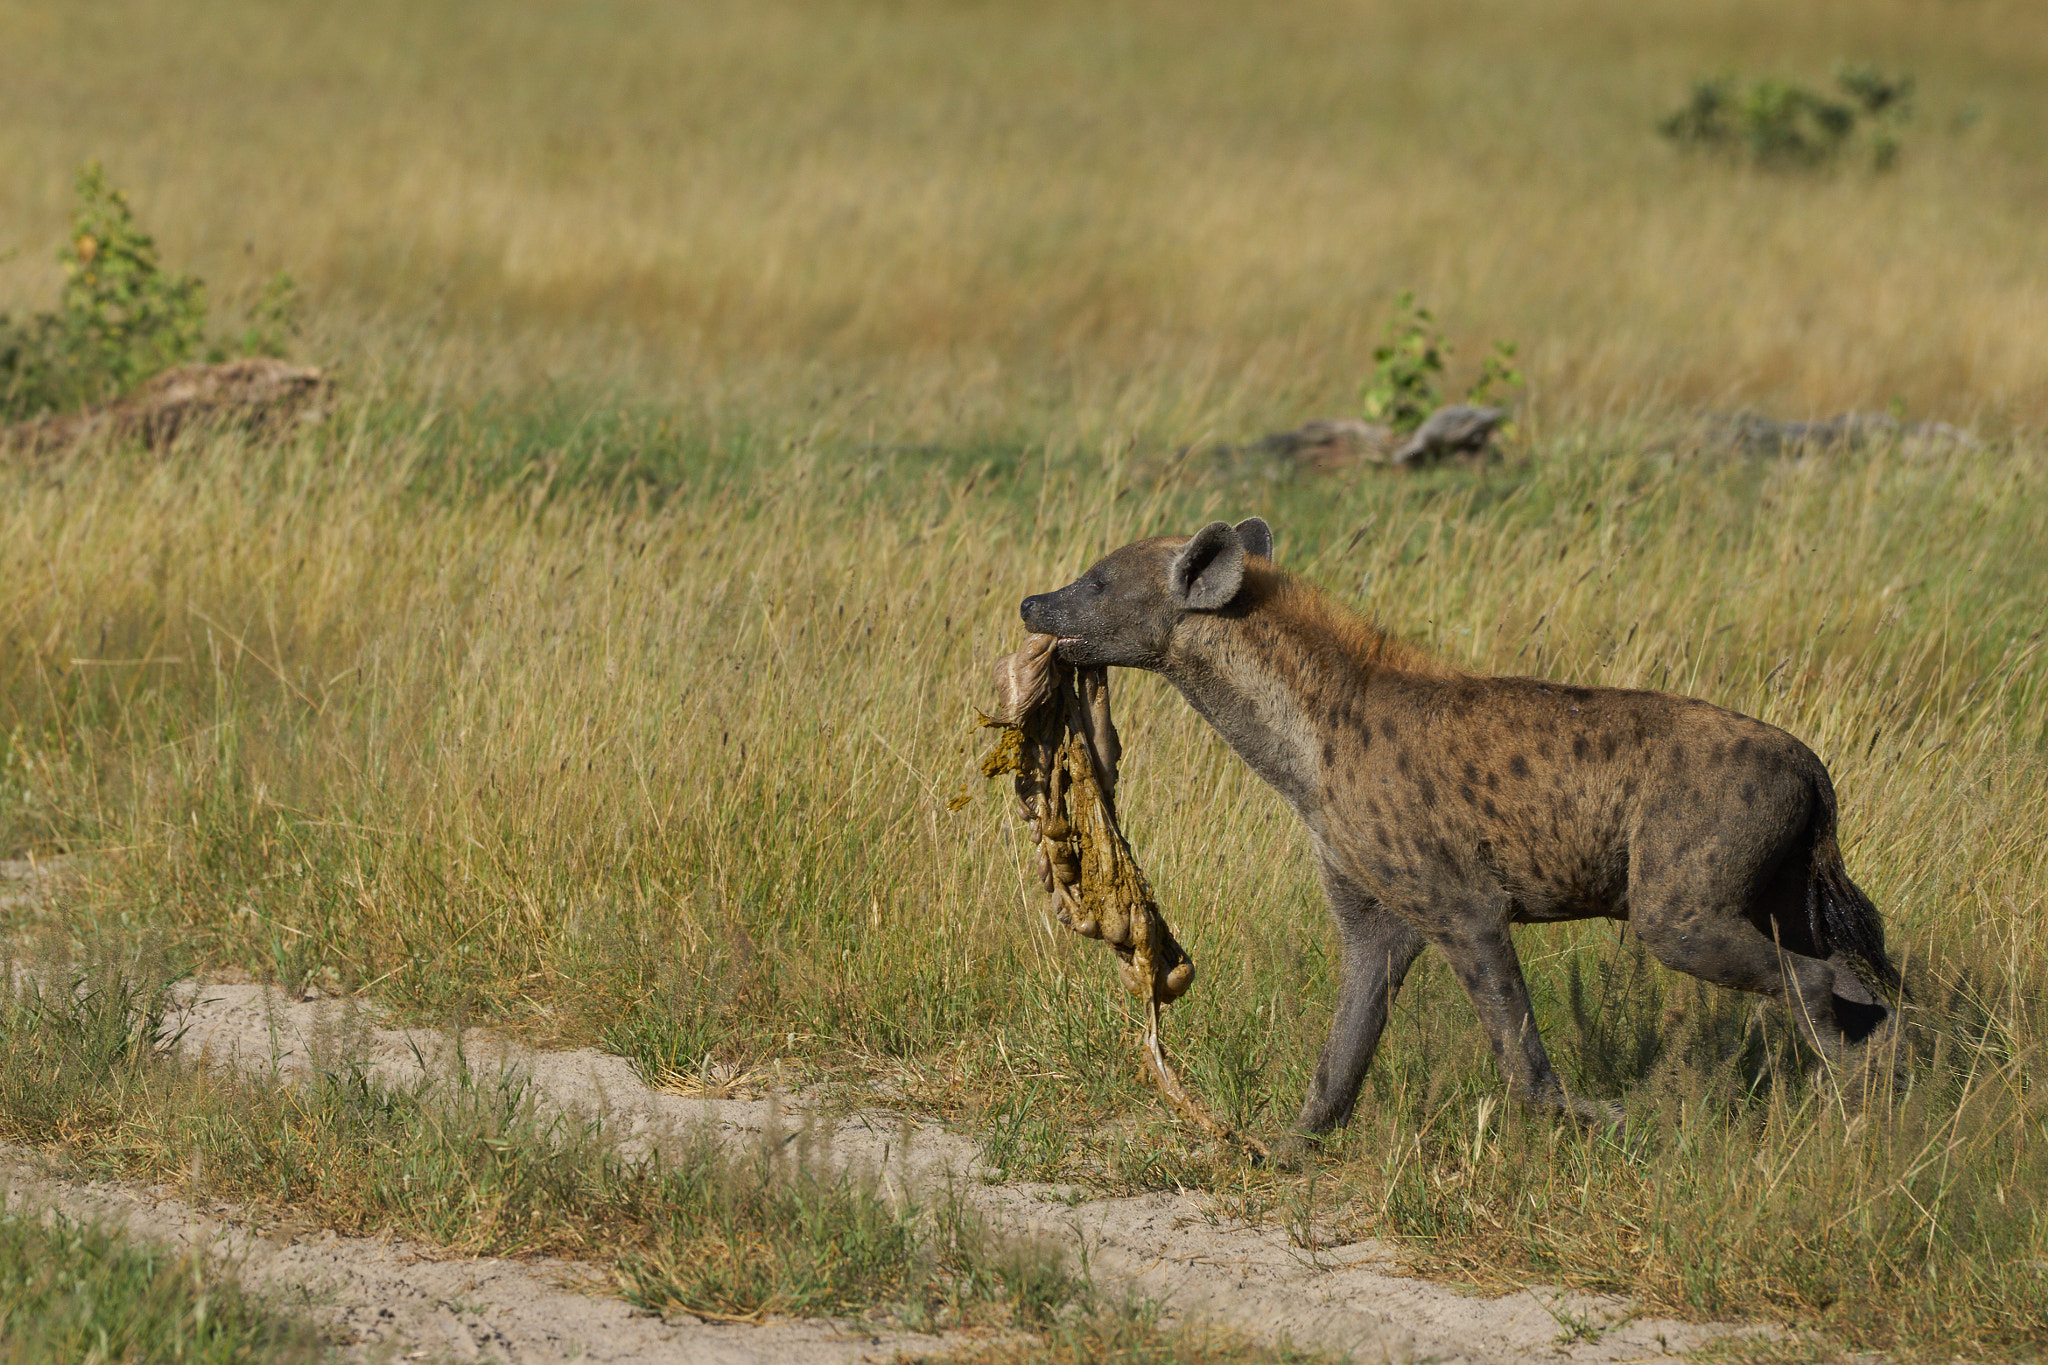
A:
x: 1444, y: 807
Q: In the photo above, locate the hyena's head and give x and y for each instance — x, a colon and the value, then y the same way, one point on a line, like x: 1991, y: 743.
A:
x: 1123, y: 610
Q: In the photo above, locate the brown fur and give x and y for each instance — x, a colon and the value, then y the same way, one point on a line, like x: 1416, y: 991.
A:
x: 1445, y: 806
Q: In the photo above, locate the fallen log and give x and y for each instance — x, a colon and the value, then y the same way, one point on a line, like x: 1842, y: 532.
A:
x: 255, y: 394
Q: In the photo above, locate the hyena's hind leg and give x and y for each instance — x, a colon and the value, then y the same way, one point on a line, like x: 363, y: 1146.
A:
x: 1722, y: 939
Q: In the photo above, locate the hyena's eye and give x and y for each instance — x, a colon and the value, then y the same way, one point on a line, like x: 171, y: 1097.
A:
x: 1098, y: 586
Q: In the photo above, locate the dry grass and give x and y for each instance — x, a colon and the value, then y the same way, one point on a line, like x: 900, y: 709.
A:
x: 637, y: 719
x: 675, y: 773
x: 943, y: 220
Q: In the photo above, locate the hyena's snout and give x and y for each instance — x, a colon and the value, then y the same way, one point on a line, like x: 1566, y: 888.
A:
x: 1037, y: 611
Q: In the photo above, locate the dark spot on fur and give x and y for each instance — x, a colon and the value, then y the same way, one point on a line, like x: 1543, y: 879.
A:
x: 1329, y: 754
x: 1678, y: 754
x: 1387, y: 727
x: 1401, y: 761
x: 1492, y: 811
x: 1608, y: 744
x: 1380, y: 832
x: 1493, y: 782
x: 1543, y: 749
x: 1519, y: 766
x: 1741, y: 749
x: 1471, y: 771
x: 1427, y: 790
x: 1581, y: 750
x: 1465, y: 791
x: 1535, y: 870
x: 1748, y: 793
x: 1628, y: 789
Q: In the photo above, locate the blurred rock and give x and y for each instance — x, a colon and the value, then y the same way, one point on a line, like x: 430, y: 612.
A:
x: 1459, y: 430
x: 1332, y: 444
x: 254, y: 394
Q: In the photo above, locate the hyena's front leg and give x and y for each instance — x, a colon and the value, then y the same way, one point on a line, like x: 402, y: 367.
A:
x: 1377, y: 950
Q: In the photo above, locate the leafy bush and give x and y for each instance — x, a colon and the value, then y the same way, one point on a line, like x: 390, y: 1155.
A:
x: 121, y: 318
x: 1781, y: 125
x: 1405, y: 387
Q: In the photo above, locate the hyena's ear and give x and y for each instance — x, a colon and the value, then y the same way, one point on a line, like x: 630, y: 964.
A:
x: 1209, y: 569
x: 1257, y: 537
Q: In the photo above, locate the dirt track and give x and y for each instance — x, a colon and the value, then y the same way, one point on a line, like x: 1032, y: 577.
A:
x: 1168, y: 1246
x: 389, y: 1298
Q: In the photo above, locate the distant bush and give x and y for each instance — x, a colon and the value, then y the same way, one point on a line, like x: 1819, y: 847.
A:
x: 1406, y: 383
x: 1781, y: 125
x: 122, y: 317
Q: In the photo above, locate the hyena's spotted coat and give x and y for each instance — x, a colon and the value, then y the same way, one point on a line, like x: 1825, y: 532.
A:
x: 1444, y: 807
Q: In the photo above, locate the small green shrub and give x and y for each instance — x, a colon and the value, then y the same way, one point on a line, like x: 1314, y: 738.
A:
x: 122, y: 317
x: 1497, y: 375
x: 1408, y: 367
x: 1778, y: 124
x: 271, y: 323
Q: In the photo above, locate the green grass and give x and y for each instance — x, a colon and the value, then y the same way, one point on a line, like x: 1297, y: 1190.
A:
x: 70, y: 1292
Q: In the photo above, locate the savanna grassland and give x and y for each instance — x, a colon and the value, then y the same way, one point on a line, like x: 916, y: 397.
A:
x: 713, y: 381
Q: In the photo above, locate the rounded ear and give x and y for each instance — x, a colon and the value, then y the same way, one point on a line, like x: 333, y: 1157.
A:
x: 1257, y: 537
x: 1209, y: 569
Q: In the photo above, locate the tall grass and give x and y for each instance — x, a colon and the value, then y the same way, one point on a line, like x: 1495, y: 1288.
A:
x: 675, y: 772
x: 1161, y: 217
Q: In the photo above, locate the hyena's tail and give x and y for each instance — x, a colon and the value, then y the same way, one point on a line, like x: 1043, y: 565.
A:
x: 1840, y: 915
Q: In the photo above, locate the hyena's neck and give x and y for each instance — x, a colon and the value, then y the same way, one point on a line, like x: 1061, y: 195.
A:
x: 1285, y: 677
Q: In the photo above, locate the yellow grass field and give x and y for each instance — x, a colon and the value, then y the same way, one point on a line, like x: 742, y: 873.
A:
x: 1161, y: 217
x: 713, y: 381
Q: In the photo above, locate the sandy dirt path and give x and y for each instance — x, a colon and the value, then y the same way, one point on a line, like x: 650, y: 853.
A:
x: 387, y: 1299
x: 390, y: 1299
x: 1171, y: 1247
